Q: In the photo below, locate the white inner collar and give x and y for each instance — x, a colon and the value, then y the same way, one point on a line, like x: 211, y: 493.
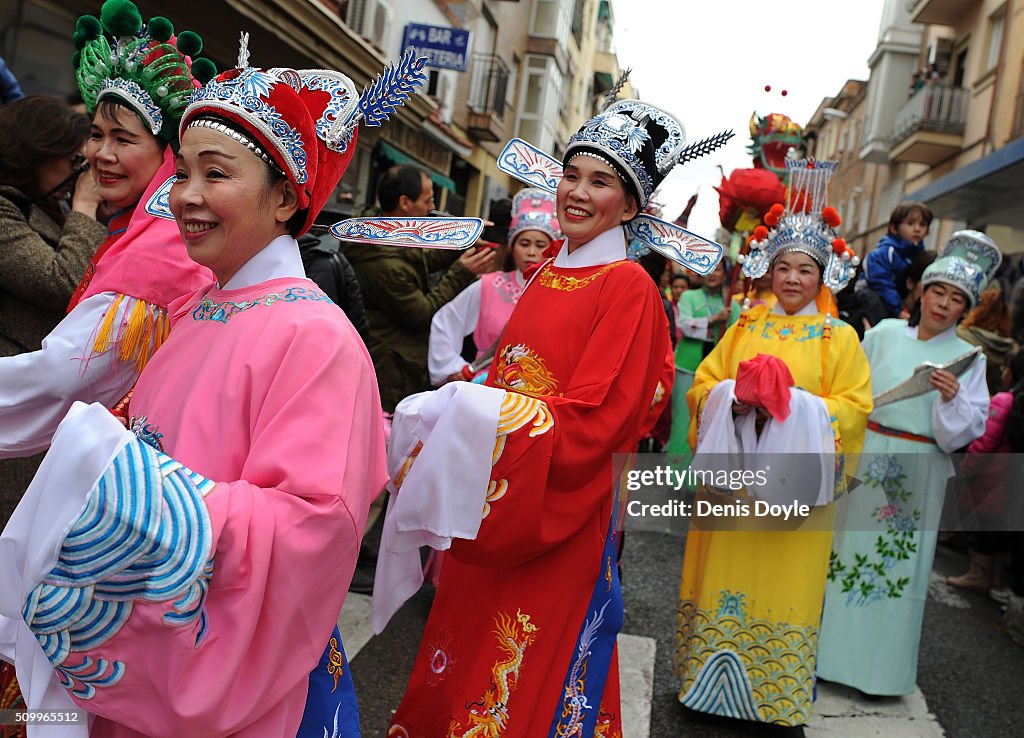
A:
x: 604, y: 249
x: 279, y: 258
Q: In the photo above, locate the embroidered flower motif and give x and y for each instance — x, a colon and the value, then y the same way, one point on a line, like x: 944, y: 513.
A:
x: 884, y: 468
x: 887, y: 512
x: 441, y: 660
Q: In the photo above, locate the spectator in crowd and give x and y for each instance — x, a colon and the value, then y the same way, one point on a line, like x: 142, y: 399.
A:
x: 758, y: 292
x: 886, y: 266
x: 677, y: 286
x: 400, y: 303
x: 986, y: 485
x: 701, y: 316
x: 10, y: 90
x: 326, y: 265
x: 988, y: 325
x: 43, y: 250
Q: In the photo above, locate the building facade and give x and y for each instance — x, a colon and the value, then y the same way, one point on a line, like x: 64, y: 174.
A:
x: 940, y: 120
x: 498, y: 69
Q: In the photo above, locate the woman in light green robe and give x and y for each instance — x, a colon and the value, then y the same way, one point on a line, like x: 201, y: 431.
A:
x: 886, y: 529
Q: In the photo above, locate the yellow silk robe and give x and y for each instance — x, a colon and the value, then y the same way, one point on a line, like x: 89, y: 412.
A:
x: 751, y: 598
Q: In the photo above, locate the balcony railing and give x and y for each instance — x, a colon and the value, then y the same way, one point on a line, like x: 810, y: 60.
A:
x: 936, y: 108
x: 488, y: 84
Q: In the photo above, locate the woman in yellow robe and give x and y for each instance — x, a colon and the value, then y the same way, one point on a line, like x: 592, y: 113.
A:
x: 751, y: 597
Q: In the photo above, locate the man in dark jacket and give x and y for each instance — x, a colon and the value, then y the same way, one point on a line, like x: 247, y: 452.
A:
x: 327, y: 266
x: 399, y: 299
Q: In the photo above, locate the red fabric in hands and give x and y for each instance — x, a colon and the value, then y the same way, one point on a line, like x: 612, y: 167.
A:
x: 764, y: 381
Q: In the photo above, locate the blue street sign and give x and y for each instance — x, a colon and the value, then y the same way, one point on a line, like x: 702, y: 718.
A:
x: 448, y: 48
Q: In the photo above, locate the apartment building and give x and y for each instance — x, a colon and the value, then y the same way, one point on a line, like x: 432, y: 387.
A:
x: 940, y: 120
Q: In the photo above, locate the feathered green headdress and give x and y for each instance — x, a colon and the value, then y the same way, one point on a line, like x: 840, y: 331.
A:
x: 140, y: 64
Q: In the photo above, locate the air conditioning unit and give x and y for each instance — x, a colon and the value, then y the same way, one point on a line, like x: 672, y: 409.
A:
x: 370, y: 19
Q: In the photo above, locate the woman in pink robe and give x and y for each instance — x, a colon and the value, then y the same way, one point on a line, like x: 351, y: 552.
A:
x: 482, y: 309
x: 202, y: 558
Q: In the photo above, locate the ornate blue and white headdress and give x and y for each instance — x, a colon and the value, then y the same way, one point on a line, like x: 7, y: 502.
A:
x: 806, y: 224
x: 639, y: 141
x: 534, y: 209
x: 967, y: 261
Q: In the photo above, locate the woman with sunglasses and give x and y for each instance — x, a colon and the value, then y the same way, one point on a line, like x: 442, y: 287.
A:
x: 44, y: 250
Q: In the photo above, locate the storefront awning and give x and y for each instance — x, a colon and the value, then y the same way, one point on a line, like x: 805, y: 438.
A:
x: 400, y: 157
x: 989, y: 191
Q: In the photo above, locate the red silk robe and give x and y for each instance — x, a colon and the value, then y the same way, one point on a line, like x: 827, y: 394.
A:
x: 520, y: 640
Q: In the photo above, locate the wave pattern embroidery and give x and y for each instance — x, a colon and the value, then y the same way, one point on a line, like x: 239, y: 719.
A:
x: 222, y: 312
x: 739, y: 667
x: 145, y: 534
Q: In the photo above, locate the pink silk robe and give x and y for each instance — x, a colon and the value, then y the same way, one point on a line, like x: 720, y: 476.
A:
x: 269, y: 392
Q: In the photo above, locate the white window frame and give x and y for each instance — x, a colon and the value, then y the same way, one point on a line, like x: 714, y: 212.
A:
x: 547, y: 115
x: 563, y: 23
x: 996, y: 29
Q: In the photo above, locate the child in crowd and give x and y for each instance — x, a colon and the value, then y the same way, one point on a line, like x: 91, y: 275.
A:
x: 887, y: 264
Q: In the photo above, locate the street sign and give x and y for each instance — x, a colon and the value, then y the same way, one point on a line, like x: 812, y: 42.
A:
x: 448, y: 48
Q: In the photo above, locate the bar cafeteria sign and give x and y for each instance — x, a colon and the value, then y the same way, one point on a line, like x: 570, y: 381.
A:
x: 447, y: 48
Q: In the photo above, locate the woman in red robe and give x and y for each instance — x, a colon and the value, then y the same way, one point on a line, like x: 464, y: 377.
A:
x: 521, y: 638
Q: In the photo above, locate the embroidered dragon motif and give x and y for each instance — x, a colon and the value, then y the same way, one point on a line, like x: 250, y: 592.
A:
x: 488, y: 717
x: 519, y: 368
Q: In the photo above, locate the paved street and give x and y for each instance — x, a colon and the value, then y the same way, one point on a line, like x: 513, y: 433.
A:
x: 969, y: 678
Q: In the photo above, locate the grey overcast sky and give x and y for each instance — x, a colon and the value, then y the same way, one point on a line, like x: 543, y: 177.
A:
x: 707, y: 63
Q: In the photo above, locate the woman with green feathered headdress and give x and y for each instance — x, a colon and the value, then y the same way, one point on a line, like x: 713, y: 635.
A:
x: 136, y: 79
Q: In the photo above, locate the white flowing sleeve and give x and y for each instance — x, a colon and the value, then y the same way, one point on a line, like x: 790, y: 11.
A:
x: 958, y: 422
x: 88, y: 440
x: 38, y: 388
x: 439, y: 459
x: 798, y: 454
x: 448, y: 329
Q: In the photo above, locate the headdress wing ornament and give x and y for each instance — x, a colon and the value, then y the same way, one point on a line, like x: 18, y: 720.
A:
x: 613, y: 93
x: 391, y: 89
x: 529, y: 164
x: 430, y: 233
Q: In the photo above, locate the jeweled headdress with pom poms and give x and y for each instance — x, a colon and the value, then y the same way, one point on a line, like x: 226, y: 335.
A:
x: 806, y: 223
x: 141, y: 64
